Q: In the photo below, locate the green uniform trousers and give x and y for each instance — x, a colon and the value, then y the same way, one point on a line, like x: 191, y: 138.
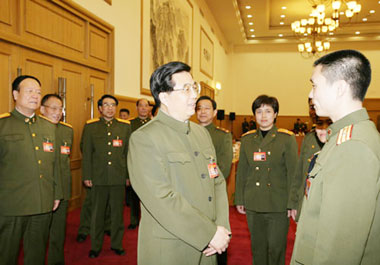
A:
x: 57, y: 235
x: 85, y: 216
x: 268, y: 237
x: 134, y: 203
x: 33, y: 229
x: 101, y: 197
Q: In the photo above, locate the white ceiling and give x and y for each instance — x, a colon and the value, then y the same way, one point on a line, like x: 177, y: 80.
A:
x: 231, y: 17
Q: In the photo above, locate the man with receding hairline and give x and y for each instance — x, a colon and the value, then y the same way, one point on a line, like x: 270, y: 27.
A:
x: 30, y: 185
x: 340, y: 218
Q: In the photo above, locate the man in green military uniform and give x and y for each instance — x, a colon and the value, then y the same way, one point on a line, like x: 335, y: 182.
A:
x: 264, y: 183
x: 173, y: 169
x: 222, y: 140
x: 51, y: 108
x: 340, y: 219
x: 311, y: 145
x: 142, y: 106
x: 30, y: 185
x: 105, y: 147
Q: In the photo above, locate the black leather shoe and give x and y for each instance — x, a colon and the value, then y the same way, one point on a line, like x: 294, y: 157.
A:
x: 93, y: 254
x: 107, y: 232
x: 131, y: 226
x: 120, y: 252
x: 81, y: 238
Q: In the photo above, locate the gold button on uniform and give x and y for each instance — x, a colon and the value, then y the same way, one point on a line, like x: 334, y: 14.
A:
x: 257, y: 184
x: 257, y: 168
x: 108, y: 133
x: 33, y: 135
x: 37, y: 148
x: 26, y: 120
x: 39, y: 162
x: 109, y: 153
x: 40, y: 176
x: 109, y: 143
x: 109, y: 163
x: 269, y: 184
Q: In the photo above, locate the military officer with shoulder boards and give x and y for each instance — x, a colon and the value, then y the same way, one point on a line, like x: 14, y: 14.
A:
x: 30, y: 185
x: 51, y: 108
x: 264, y: 179
x: 340, y: 218
x: 173, y: 170
x: 222, y: 140
x: 143, y: 108
x: 105, y: 147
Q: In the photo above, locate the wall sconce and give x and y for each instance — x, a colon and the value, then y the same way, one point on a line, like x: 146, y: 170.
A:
x: 218, y: 87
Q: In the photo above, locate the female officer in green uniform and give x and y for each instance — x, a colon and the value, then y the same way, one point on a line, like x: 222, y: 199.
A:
x: 265, y: 173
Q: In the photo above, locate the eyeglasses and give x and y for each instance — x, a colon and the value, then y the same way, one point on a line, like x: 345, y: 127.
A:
x: 188, y: 88
x: 109, y: 105
x: 55, y: 109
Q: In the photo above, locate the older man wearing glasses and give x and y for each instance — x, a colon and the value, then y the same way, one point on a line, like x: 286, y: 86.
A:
x: 172, y: 168
x: 105, y: 146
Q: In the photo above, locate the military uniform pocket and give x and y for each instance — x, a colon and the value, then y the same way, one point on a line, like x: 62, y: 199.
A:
x: 12, y: 137
x: 181, y: 158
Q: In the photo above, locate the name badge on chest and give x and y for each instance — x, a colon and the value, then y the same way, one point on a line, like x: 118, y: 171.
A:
x: 65, y: 150
x: 259, y: 156
x: 48, y: 147
x: 117, y: 143
x: 212, y: 170
x: 307, y: 188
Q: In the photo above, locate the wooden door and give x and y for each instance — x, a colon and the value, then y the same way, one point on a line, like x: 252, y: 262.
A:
x: 99, y: 81
x: 8, y: 65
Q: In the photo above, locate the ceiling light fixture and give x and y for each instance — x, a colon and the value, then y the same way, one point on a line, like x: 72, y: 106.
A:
x: 312, y: 31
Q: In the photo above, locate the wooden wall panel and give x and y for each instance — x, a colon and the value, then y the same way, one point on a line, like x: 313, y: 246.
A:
x: 42, y: 67
x: 5, y: 78
x: 7, y: 15
x: 98, y: 44
x: 54, y: 28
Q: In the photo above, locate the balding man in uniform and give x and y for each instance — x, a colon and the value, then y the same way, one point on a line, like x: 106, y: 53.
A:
x: 30, y: 185
x: 143, y: 108
x: 51, y: 108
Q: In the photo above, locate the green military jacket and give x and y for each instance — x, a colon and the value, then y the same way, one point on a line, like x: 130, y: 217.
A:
x: 137, y: 123
x: 309, y: 147
x: 181, y: 205
x: 340, y: 219
x: 65, y: 136
x: 105, y: 147
x: 29, y: 170
x: 222, y: 140
x: 265, y: 172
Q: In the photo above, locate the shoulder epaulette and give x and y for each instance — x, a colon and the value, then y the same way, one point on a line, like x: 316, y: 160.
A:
x: 281, y: 130
x: 45, y: 118
x: 5, y: 115
x: 249, y: 132
x: 66, y: 124
x: 344, y: 134
x: 123, y: 121
x: 92, y: 121
x: 222, y: 129
x: 132, y: 118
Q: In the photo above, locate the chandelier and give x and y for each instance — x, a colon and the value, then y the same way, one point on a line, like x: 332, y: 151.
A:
x: 313, y: 32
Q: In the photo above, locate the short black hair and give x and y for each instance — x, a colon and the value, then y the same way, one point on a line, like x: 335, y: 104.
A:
x: 124, y: 110
x: 19, y: 79
x: 206, y: 98
x: 265, y: 100
x: 141, y: 99
x: 100, y: 101
x: 350, y: 66
x: 161, y: 79
x: 48, y: 96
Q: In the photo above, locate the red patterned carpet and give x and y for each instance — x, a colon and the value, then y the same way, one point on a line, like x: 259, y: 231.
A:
x: 239, y: 252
